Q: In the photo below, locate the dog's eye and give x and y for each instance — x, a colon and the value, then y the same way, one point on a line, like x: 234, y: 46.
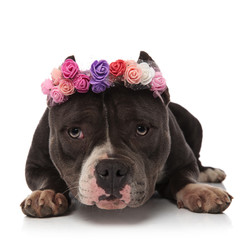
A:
x: 142, y: 130
x: 75, y: 132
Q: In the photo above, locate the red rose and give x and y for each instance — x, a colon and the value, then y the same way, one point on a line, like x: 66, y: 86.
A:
x: 117, y: 68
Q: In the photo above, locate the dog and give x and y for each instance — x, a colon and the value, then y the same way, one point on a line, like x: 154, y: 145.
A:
x: 114, y: 150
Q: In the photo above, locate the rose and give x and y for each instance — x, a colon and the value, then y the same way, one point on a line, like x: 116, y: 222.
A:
x: 117, y: 68
x: 99, y: 71
x: 147, y: 73
x: 46, y: 86
x: 130, y: 62
x: 69, y: 68
x: 56, y: 76
x: 158, y: 83
x: 100, y: 87
x: 81, y: 83
x: 57, y: 95
x: 66, y: 87
x: 133, y: 74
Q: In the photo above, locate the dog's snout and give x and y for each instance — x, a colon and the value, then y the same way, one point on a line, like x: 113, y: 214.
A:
x: 110, y: 169
x: 111, y: 175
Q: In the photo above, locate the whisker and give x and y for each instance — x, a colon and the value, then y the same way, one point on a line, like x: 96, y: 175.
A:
x: 71, y: 188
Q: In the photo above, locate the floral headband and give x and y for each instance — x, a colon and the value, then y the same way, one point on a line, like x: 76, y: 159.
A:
x: 68, y: 79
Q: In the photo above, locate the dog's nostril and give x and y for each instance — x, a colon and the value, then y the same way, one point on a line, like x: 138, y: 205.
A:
x: 121, y: 173
x: 104, y: 173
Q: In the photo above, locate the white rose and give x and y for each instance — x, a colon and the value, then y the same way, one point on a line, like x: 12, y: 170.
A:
x: 147, y: 73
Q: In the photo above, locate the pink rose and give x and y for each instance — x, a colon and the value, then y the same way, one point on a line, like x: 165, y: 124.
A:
x: 57, y: 95
x: 158, y: 82
x: 81, y: 83
x: 66, y: 87
x: 46, y: 86
x: 56, y: 76
x: 133, y: 74
x: 69, y: 68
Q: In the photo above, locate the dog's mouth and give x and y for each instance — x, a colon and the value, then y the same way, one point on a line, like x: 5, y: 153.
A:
x: 110, y: 203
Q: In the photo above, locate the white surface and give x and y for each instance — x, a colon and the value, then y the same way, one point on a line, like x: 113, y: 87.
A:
x: 158, y: 219
x: 195, y: 43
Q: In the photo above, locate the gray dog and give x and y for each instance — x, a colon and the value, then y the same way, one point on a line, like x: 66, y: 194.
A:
x: 115, y: 149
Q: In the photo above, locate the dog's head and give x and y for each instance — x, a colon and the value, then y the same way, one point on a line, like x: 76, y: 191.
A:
x: 110, y: 148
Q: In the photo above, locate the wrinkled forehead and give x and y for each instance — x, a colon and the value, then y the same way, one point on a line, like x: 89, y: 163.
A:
x: 125, y: 103
x: 79, y: 106
x: 122, y: 102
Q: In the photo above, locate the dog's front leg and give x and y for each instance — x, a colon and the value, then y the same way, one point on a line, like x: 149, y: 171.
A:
x: 44, y: 203
x: 203, y: 198
x: 180, y: 178
x: 197, y: 197
x: 182, y: 186
x: 50, y: 192
x: 49, y: 196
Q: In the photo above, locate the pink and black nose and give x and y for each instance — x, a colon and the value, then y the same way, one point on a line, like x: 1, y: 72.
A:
x: 112, y: 176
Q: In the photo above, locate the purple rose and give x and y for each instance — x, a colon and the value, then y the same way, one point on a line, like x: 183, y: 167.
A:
x: 99, y: 71
x: 69, y: 68
x: 100, y: 87
x: 81, y: 83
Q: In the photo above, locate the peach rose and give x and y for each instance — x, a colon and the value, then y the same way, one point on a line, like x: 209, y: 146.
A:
x: 56, y: 76
x: 130, y: 62
x: 66, y: 86
x: 133, y: 74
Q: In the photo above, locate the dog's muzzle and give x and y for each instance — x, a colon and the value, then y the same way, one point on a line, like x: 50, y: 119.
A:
x: 106, y: 184
x: 111, y: 176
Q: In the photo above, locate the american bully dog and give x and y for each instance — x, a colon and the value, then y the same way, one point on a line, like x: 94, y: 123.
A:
x: 114, y: 149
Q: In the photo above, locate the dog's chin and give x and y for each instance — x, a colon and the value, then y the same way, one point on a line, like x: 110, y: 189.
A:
x: 111, y: 204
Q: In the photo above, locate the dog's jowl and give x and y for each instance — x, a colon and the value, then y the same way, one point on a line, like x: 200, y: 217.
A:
x: 111, y: 137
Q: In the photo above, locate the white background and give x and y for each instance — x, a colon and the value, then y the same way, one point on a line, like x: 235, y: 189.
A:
x: 196, y: 45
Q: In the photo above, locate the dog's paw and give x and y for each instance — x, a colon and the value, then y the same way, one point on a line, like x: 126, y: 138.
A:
x: 203, y: 198
x: 212, y: 175
x: 44, y: 203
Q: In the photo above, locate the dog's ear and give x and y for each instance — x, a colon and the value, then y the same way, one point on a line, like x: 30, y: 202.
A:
x: 71, y: 57
x: 50, y: 102
x: 144, y: 57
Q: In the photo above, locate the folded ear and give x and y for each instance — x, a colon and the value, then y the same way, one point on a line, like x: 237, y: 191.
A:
x: 71, y: 57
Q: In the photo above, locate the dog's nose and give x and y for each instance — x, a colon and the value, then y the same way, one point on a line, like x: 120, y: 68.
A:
x: 111, y: 175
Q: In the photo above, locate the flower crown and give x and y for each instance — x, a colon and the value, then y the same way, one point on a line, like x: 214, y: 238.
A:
x: 68, y: 78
